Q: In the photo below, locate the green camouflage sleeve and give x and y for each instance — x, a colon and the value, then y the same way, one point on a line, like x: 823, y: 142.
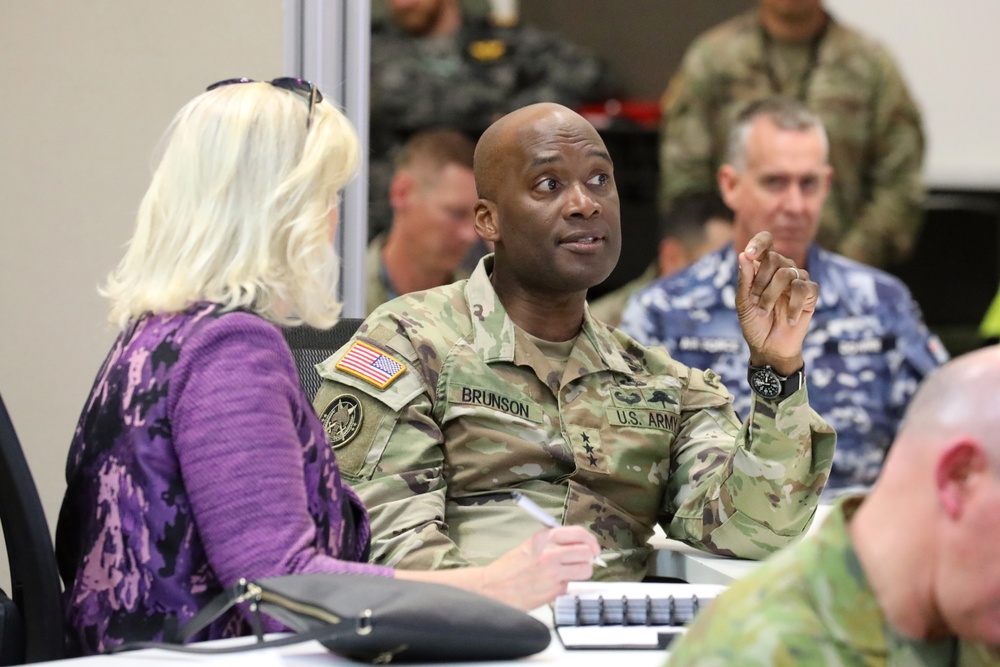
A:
x: 773, y: 617
x: 753, y: 499
x: 686, y: 140
x: 394, y: 457
x: 735, y: 630
x: 889, y: 224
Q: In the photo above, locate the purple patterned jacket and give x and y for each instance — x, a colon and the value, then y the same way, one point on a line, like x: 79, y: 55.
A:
x: 198, y: 460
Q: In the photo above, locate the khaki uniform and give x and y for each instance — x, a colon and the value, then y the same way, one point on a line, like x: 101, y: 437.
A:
x: 874, y: 210
x: 812, y: 605
x: 623, y: 439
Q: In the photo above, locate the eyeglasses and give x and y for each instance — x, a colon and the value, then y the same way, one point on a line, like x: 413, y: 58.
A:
x: 289, y: 83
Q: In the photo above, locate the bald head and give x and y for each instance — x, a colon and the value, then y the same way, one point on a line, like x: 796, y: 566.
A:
x: 927, y: 534
x: 499, y: 144
x: 958, y: 398
x: 549, y: 205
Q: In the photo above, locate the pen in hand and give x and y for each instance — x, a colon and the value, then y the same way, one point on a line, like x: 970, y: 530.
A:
x: 544, y: 517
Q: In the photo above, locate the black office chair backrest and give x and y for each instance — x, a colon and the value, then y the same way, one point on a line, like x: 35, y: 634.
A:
x: 35, y: 585
x: 960, y: 239
x: 310, y: 346
x: 958, y: 244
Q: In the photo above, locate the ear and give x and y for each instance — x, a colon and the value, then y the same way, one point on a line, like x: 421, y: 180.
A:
x: 401, y: 189
x: 958, y: 468
x: 486, y: 221
x: 672, y: 257
x: 729, y: 180
x: 828, y: 180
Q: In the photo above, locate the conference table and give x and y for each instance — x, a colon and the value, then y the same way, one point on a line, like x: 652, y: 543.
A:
x: 673, y: 559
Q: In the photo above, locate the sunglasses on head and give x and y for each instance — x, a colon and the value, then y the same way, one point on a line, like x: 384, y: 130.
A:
x: 290, y: 83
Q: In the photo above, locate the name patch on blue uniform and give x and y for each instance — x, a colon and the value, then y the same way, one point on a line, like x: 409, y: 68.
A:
x: 711, y: 345
x: 850, y: 348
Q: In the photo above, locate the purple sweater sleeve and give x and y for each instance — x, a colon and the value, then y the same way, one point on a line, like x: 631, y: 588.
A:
x: 235, y: 404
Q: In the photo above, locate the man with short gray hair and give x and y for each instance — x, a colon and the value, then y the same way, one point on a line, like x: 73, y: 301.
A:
x: 797, y: 50
x: 867, y: 347
x: 433, y: 197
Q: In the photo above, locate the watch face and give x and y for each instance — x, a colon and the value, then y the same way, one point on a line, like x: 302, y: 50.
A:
x: 765, y: 382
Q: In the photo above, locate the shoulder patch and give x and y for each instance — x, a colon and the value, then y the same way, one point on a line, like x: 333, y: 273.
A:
x: 342, y: 419
x: 487, y: 49
x: 371, y: 364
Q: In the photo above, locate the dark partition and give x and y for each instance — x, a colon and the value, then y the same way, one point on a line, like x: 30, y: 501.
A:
x: 955, y: 268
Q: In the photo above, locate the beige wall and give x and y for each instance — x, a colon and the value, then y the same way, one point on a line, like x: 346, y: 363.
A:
x: 87, y: 90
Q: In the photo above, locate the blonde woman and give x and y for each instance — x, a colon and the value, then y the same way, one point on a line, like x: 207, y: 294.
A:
x: 198, y: 459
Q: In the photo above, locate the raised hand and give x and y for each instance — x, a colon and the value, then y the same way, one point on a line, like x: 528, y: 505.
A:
x: 775, y: 301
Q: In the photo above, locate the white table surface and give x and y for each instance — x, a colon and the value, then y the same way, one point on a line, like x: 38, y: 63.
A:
x: 313, y: 653
x: 678, y: 560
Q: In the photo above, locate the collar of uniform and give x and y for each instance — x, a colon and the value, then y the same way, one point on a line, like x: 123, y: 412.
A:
x: 750, y: 19
x: 603, y: 343
x: 846, y: 603
x: 493, y: 332
x: 842, y: 597
x: 823, y: 273
x: 375, y: 271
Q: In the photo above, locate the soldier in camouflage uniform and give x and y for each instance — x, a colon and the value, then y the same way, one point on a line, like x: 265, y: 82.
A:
x: 433, y: 195
x: 432, y: 66
x: 448, y: 400
x: 867, y: 348
x: 908, y: 577
x: 797, y: 50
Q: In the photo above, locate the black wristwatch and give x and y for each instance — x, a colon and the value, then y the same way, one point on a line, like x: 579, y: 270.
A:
x: 768, y: 384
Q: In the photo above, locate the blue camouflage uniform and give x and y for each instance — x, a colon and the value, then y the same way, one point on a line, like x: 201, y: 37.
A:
x: 866, y: 351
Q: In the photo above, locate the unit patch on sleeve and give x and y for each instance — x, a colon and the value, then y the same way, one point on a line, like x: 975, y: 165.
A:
x: 342, y: 420
x: 371, y: 364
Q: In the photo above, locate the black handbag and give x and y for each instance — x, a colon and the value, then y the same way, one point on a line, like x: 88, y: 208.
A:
x: 374, y: 619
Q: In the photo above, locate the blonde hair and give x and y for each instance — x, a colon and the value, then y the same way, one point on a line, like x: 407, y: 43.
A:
x: 238, y: 211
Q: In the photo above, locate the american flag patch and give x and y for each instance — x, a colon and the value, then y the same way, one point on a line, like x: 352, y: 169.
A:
x: 371, y: 364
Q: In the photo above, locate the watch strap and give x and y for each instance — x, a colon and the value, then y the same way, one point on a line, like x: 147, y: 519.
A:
x: 789, y: 383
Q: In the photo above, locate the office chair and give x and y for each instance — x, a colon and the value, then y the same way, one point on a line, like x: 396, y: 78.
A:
x: 959, y: 241
x: 35, y: 585
x: 310, y: 346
